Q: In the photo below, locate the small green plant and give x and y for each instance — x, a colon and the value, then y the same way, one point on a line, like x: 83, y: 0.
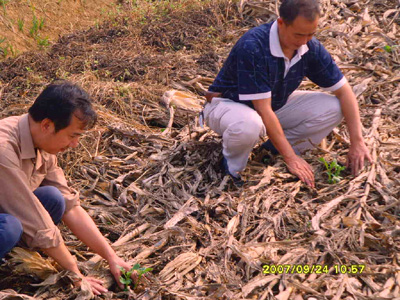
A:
x: 388, y: 49
x: 333, y: 170
x: 41, y: 23
x: 126, y: 279
x: 43, y: 42
x: 3, y: 4
x: 6, y: 48
x: 391, y: 49
x: 21, y: 24
x: 35, y: 26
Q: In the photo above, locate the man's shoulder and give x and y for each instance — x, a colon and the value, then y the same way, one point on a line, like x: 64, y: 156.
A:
x: 260, y: 33
x: 9, y: 144
x: 9, y: 128
x: 256, y: 39
x: 315, y: 46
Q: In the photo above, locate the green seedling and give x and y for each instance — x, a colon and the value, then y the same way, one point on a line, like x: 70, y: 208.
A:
x: 333, y: 170
x: 388, y: 49
x: 21, y: 24
x: 42, y: 42
x: 126, y: 279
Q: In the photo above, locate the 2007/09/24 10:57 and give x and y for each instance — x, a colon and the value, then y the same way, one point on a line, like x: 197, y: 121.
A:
x: 309, y: 269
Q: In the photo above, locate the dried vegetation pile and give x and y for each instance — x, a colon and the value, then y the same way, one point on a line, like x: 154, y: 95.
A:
x: 158, y: 194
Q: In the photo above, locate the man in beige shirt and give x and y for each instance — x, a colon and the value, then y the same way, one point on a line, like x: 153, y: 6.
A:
x: 34, y: 195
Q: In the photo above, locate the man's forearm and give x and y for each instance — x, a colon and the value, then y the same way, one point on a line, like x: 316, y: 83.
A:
x: 274, y: 128
x: 349, y: 106
x: 63, y: 257
x: 82, y: 225
x: 276, y: 135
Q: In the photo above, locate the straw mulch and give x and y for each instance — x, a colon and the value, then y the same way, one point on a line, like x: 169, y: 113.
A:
x: 150, y: 176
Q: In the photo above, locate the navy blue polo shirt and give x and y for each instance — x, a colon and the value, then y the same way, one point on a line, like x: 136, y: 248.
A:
x: 257, y: 69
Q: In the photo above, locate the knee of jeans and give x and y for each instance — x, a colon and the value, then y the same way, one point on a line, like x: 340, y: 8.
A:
x: 248, y: 131
x: 58, y: 202
x: 13, y: 228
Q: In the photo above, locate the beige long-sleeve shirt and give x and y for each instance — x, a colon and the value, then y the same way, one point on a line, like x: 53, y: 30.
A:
x: 22, y: 170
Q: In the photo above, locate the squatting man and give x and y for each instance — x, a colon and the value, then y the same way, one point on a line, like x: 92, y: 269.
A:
x: 34, y: 195
x: 254, y: 95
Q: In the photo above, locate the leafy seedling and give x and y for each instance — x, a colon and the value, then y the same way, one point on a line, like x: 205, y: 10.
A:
x: 333, y: 170
x: 388, y: 49
x: 126, y: 279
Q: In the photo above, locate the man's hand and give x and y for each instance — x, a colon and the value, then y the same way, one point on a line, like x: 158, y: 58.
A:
x: 117, y: 262
x: 358, y: 151
x: 96, y: 285
x: 296, y: 164
x: 356, y: 157
x: 301, y: 169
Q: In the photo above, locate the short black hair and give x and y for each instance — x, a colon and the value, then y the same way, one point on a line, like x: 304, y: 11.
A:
x: 291, y: 9
x: 59, y: 101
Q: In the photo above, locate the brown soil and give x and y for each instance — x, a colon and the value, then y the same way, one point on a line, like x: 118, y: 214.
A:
x: 17, y: 19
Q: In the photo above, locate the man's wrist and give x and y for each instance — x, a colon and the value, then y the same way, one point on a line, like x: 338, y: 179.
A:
x: 111, y: 257
x: 359, y: 140
x: 288, y: 153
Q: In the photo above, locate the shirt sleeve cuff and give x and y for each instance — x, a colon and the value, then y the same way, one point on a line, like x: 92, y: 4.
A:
x: 71, y: 199
x: 259, y: 96
x: 46, y: 238
x: 336, y: 86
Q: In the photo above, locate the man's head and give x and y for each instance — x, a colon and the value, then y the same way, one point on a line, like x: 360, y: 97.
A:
x: 298, y: 22
x: 60, y: 115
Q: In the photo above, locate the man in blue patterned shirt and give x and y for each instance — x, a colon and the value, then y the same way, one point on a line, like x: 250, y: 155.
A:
x: 254, y: 94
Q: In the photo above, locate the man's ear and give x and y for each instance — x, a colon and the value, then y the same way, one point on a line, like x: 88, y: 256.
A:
x: 280, y: 21
x: 47, y: 126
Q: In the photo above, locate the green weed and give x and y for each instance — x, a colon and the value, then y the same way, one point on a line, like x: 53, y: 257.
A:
x: 126, y: 279
x: 21, y: 24
x: 43, y: 42
x: 390, y: 49
x: 6, y: 48
x: 41, y: 23
x: 333, y: 170
x: 3, y: 4
x: 36, y: 26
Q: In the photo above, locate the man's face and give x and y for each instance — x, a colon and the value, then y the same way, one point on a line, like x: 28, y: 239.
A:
x: 60, y: 141
x: 293, y: 36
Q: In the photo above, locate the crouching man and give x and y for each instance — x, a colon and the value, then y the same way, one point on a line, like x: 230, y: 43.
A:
x: 255, y: 93
x: 34, y: 195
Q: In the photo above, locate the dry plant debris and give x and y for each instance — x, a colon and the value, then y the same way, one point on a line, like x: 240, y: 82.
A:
x: 149, y: 174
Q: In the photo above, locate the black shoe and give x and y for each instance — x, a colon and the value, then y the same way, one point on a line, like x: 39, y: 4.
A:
x: 270, y: 147
x: 237, y: 180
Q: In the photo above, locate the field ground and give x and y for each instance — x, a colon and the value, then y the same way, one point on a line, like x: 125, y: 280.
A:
x: 150, y: 176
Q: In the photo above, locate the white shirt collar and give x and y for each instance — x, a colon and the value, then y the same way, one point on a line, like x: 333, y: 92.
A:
x: 275, y: 45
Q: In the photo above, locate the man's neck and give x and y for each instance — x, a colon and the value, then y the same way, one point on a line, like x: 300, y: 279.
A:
x: 287, y: 52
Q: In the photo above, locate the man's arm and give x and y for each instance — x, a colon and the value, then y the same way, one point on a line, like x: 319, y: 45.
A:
x: 358, y: 151
x: 295, y: 163
x: 82, y: 225
x: 64, y: 258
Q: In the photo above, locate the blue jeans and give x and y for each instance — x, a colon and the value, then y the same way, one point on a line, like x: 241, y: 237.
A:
x: 11, y: 228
